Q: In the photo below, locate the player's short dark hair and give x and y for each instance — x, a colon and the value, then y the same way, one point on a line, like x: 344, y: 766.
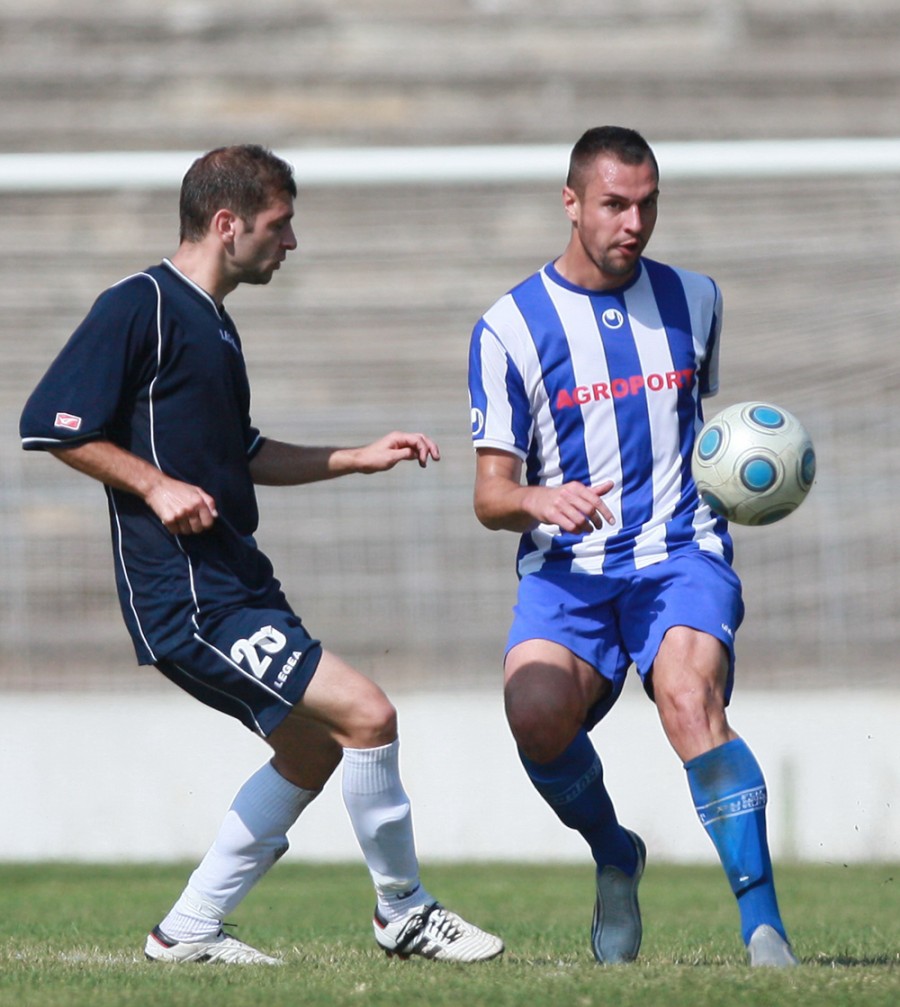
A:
x: 245, y: 179
x: 625, y: 145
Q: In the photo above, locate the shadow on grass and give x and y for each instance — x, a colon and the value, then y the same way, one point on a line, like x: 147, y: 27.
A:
x: 853, y: 961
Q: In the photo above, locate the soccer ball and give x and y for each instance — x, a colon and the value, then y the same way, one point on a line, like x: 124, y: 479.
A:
x: 753, y: 463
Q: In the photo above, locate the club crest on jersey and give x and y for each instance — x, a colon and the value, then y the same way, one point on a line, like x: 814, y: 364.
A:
x: 67, y: 421
x: 227, y: 337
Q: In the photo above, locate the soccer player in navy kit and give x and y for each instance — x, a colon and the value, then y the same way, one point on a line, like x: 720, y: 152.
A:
x: 150, y: 396
x: 588, y: 376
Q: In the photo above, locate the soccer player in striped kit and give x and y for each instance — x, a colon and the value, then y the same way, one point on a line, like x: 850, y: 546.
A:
x: 585, y: 383
x: 150, y: 396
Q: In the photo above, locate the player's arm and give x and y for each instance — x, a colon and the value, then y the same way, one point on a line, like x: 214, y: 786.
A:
x: 502, y: 502
x: 184, y: 509
x: 280, y: 464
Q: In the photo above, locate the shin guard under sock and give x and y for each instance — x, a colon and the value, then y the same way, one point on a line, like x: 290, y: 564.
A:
x: 572, y: 784
x: 730, y: 796
x: 380, y: 813
x: 251, y: 838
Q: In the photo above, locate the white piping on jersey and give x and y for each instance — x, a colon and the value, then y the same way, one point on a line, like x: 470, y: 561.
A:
x: 158, y: 367
x: 159, y: 300
x: 187, y: 559
x: 134, y: 611
x: 171, y: 265
x: 109, y: 490
x: 44, y: 440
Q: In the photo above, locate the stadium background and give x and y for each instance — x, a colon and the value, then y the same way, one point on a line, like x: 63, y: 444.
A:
x: 367, y: 329
x: 368, y: 326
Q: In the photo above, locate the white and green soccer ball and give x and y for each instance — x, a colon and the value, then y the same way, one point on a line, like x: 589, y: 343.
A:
x: 753, y: 463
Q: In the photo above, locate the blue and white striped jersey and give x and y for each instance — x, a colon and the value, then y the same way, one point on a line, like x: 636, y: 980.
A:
x: 588, y: 386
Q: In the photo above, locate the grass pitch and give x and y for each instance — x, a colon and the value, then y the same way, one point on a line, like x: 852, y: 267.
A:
x: 73, y: 935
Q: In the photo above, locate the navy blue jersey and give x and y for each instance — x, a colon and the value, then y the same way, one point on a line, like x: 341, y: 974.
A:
x: 156, y: 367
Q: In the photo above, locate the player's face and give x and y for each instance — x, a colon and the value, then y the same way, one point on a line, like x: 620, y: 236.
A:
x: 261, y: 245
x: 612, y: 220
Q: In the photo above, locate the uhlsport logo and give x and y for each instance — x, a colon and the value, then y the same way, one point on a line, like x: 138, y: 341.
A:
x: 612, y: 318
x: 477, y: 422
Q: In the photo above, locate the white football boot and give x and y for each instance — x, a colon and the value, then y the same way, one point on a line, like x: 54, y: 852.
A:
x: 221, y: 948
x: 434, y: 932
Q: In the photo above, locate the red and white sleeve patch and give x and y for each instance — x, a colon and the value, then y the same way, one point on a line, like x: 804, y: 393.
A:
x: 67, y: 421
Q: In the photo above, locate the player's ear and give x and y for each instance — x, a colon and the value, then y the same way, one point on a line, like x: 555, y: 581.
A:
x: 224, y: 224
x: 571, y: 203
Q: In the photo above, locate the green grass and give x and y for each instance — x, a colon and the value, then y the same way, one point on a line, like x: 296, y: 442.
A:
x: 72, y: 936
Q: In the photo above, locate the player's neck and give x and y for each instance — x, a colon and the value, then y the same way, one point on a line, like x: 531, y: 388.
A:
x: 581, y: 271
x: 202, y: 268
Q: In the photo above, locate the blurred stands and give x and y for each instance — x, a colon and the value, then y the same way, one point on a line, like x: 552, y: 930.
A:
x: 367, y: 329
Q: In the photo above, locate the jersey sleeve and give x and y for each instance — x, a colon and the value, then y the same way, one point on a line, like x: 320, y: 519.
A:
x: 255, y: 441
x: 98, y: 371
x: 501, y: 417
x: 709, y: 368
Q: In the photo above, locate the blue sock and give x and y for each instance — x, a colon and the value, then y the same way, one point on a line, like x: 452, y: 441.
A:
x: 572, y: 784
x: 730, y: 796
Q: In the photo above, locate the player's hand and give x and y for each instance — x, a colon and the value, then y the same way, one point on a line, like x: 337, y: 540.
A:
x: 396, y: 447
x: 184, y: 509
x: 573, y: 507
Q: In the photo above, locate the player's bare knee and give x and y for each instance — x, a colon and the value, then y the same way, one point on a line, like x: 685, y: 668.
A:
x: 694, y: 719
x: 375, y: 726
x: 539, y: 736
x: 685, y: 704
x: 384, y: 727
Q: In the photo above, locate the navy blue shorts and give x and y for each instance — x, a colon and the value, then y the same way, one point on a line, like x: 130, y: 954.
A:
x: 253, y: 664
x: 613, y: 621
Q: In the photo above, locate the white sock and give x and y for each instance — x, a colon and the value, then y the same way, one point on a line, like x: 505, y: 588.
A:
x: 382, y: 820
x: 252, y: 836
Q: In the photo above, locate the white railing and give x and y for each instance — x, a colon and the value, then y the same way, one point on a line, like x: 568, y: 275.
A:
x: 142, y: 170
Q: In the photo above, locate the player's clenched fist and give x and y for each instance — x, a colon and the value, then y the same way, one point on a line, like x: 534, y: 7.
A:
x: 182, y: 508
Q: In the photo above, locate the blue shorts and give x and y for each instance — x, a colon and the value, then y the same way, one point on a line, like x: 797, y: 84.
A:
x: 610, y: 621
x: 252, y: 663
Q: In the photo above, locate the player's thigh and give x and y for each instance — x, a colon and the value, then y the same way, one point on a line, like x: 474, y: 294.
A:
x: 690, y: 679
x: 665, y: 602
x: 690, y: 666
x: 355, y: 710
x: 340, y: 708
